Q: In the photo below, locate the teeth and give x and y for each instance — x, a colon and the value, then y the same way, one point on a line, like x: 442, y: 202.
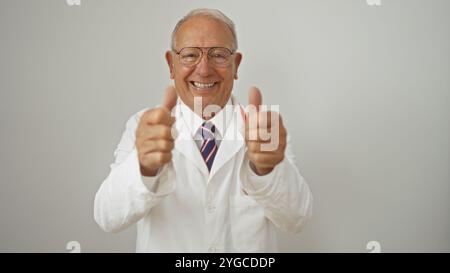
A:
x: 203, y: 85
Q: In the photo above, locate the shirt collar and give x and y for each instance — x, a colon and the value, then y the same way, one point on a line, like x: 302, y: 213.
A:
x: 221, y: 120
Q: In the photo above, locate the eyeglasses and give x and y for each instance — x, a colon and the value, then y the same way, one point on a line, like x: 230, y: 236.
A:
x: 218, y: 56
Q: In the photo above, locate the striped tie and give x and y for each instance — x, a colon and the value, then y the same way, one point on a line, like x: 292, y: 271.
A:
x: 209, y: 147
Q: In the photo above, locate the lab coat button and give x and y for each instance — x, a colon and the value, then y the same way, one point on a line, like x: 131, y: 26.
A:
x: 210, y: 208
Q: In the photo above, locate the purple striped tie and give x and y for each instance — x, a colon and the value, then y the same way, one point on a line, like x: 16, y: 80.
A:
x: 209, y: 147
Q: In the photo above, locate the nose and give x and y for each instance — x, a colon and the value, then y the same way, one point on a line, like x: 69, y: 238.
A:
x: 204, y: 68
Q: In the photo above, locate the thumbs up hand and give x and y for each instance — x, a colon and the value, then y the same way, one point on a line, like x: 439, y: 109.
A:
x: 154, y: 141
x: 265, y: 136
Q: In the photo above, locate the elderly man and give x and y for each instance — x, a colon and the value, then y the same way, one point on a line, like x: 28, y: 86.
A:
x: 197, y: 180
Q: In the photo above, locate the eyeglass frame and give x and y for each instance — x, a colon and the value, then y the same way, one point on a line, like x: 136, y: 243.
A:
x: 232, y: 52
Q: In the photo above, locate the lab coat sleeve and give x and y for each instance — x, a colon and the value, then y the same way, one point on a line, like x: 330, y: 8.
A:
x: 125, y: 196
x: 284, y: 193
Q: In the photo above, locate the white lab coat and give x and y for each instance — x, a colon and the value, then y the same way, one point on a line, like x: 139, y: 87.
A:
x: 186, y: 209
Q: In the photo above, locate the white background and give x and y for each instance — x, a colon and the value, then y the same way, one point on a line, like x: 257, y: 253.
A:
x: 364, y: 92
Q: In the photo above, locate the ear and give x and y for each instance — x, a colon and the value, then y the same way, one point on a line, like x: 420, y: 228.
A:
x: 237, y: 62
x: 169, y: 59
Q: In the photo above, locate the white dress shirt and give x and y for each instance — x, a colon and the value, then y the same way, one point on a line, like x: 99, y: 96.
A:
x: 221, y: 120
x: 186, y: 208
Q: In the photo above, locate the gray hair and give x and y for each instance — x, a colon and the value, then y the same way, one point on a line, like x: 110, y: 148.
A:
x: 211, y: 13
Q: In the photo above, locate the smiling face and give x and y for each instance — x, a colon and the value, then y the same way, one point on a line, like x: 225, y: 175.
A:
x: 212, y: 84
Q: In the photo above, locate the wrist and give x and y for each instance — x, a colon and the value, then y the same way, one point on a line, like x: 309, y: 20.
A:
x: 260, y: 170
x: 147, y: 172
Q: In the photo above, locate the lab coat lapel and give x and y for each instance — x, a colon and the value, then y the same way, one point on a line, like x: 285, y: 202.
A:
x: 186, y: 145
x: 231, y: 143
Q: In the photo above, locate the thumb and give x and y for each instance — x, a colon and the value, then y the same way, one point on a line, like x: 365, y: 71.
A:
x: 170, y: 98
x: 254, y: 97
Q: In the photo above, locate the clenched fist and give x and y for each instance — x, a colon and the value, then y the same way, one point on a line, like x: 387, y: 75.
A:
x: 154, y: 141
x: 265, y: 136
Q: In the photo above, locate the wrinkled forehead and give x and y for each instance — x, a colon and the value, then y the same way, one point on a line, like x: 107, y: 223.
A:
x: 203, y: 32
